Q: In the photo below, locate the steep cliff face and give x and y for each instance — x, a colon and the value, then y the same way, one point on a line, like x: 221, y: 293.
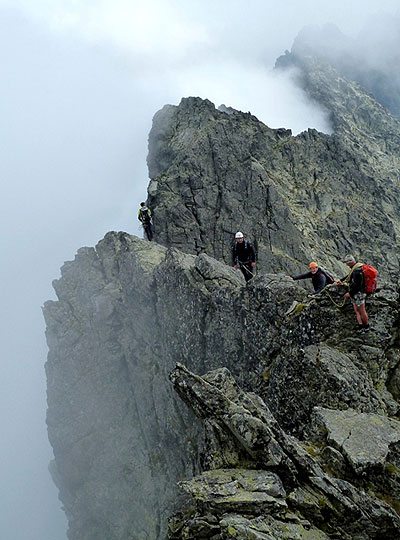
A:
x: 128, y: 310
x: 299, y: 437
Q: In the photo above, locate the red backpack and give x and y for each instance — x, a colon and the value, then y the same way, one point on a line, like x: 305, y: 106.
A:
x: 370, y: 281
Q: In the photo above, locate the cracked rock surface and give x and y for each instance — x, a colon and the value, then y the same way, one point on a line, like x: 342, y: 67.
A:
x: 127, y: 311
x: 321, y: 503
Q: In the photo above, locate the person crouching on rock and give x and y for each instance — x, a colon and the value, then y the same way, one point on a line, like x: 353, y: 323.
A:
x: 356, y: 293
x: 243, y: 256
x: 320, y: 278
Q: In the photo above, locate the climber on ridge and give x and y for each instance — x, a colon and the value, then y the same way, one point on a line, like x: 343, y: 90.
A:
x: 243, y: 256
x: 357, y: 290
x: 144, y: 216
x: 320, y: 278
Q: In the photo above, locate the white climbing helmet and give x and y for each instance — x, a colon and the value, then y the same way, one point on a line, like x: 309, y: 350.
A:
x: 239, y: 235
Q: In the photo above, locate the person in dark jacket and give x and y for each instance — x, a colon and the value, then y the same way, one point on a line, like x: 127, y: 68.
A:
x: 243, y: 256
x: 356, y: 292
x: 320, y: 279
x: 144, y: 216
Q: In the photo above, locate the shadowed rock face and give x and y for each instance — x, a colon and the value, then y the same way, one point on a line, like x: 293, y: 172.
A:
x: 278, y: 450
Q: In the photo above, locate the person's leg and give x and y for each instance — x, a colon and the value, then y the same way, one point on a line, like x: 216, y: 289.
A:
x: 243, y: 269
x: 363, y: 314
x: 249, y: 272
x: 358, y: 315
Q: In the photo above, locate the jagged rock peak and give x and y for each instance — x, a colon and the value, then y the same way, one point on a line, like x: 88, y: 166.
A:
x: 312, y: 196
x: 369, y: 59
x: 284, y: 389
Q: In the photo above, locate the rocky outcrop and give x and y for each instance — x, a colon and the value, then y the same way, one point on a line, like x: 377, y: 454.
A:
x: 127, y: 311
x: 313, y: 196
x: 289, y: 495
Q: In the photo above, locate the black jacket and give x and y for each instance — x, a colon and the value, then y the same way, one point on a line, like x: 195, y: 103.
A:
x: 318, y: 279
x: 243, y: 252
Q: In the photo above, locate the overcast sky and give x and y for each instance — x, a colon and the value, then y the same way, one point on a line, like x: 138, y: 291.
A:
x: 81, y: 81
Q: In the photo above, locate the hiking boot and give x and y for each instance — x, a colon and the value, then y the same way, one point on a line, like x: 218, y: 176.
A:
x: 363, y: 328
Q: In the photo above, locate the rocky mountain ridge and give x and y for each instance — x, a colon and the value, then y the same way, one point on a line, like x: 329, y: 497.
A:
x: 313, y: 196
x: 284, y: 421
x: 122, y: 440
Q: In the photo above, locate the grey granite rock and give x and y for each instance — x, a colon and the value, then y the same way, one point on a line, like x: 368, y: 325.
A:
x: 127, y: 311
x: 363, y: 438
x: 334, y: 505
x: 313, y: 196
x: 267, y: 528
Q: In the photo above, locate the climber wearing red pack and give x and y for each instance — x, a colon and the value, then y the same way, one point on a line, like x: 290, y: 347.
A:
x: 361, y: 281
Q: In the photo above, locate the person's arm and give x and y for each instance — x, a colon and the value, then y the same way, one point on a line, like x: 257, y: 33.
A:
x: 342, y: 281
x: 139, y: 216
x: 234, y: 256
x: 302, y: 276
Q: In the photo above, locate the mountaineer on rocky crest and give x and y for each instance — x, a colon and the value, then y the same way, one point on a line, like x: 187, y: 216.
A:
x: 357, y: 290
x: 320, y: 278
x: 243, y: 256
x: 144, y: 216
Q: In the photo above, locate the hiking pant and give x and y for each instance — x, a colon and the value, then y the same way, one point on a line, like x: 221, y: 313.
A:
x: 247, y: 270
x: 148, y: 229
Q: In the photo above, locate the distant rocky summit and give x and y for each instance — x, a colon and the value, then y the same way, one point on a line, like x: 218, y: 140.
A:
x: 371, y: 58
x: 185, y: 404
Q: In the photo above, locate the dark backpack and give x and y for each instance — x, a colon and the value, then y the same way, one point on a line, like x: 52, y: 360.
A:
x: 144, y: 212
x: 370, y: 274
x: 329, y: 278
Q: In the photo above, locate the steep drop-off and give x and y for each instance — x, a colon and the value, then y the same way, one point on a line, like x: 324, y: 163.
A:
x: 128, y: 311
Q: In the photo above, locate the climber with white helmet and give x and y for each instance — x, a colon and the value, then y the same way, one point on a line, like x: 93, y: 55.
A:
x: 243, y: 256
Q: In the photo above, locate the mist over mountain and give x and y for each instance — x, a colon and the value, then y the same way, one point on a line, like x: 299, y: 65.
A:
x: 371, y: 58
